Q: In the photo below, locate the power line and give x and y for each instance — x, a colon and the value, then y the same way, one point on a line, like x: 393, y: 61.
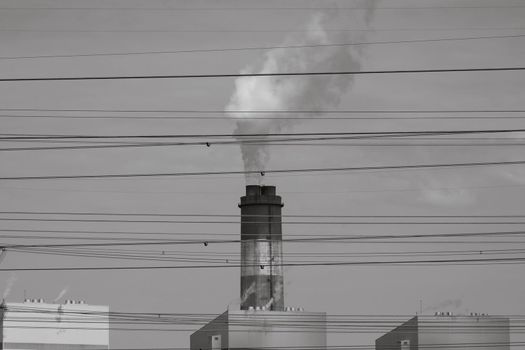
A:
x: 296, y: 325
x: 308, y: 222
x: 448, y: 346
x: 304, y: 239
x: 346, y: 263
x: 300, y: 144
x: 301, y: 320
x: 269, y: 134
x: 255, y: 143
x: 288, y: 193
x: 310, y: 236
x: 265, y: 47
x: 221, y: 256
x: 342, y: 144
x: 256, y: 48
x: 234, y: 258
x: 284, y: 222
x: 233, y: 118
x: 251, y: 30
x: 431, y: 319
x: 256, y: 215
x: 29, y: 308
x: 215, y: 255
x: 313, y: 8
x: 274, y: 74
x: 264, y: 172
x: 242, y: 139
x: 255, y: 112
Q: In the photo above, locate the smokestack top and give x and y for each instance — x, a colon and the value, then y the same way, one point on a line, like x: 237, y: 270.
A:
x: 256, y: 190
x: 256, y: 194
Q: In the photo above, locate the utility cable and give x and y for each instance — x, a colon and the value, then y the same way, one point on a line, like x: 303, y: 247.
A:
x: 246, y: 135
x: 271, y: 74
x: 280, y: 47
x: 264, y: 172
x: 519, y: 260
x: 270, y: 111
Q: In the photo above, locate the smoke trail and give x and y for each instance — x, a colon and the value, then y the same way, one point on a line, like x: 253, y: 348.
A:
x: 455, y: 303
x: 313, y: 93
x: 10, y: 283
x: 278, y: 288
x: 61, y: 294
x: 370, y: 6
x: 249, y: 291
x: 269, y: 304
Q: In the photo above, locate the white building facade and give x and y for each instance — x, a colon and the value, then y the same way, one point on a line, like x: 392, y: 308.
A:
x: 34, y: 324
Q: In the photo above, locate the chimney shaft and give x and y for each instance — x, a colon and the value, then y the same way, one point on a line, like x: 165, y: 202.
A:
x: 261, y: 249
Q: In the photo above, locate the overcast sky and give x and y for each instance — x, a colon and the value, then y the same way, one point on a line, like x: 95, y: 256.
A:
x: 495, y: 289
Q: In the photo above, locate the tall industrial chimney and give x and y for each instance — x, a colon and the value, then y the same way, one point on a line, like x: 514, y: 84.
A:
x: 261, y: 249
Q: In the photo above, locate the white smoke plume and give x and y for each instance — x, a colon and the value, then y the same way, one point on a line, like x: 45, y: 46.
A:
x: 278, y: 290
x: 451, y: 303
x: 10, y: 283
x: 445, y: 191
x: 269, y: 304
x: 249, y: 291
x: 310, y: 93
x: 61, y: 294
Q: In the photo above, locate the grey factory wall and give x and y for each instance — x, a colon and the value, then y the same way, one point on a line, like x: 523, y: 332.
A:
x: 465, y: 332
x: 243, y: 329
x: 471, y: 332
x: 276, y: 329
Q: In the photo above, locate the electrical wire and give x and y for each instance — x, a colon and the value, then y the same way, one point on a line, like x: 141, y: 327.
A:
x: 228, y: 258
x: 264, y: 172
x: 247, y: 135
x: 237, y: 222
x: 331, y: 216
x: 270, y: 31
x: 257, y: 48
x: 316, y: 238
x: 200, y: 238
x: 244, y: 139
x: 269, y: 74
x: 252, y: 117
x: 256, y: 112
x: 269, y: 143
x: 312, y: 8
x: 438, y: 262
x: 474, y: 324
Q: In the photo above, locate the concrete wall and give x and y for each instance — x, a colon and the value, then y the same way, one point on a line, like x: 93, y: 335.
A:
x: 465, y: 332
x: 52, y: 326
x: 250, y: 329
x: 276, y: 329
x: 517, y: 336
x: 450, y: 332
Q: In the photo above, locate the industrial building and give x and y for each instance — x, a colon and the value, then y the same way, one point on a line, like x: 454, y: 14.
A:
x: 35, y: 324
x: 262, y: 329
x: 262, y: 320
x: 447, y: 331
